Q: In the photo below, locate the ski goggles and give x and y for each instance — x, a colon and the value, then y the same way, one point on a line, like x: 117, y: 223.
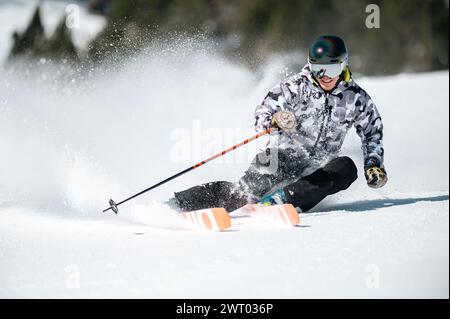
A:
x: 330, y: 70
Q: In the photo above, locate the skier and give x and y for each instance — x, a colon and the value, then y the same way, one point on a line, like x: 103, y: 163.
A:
x: 310, y: 114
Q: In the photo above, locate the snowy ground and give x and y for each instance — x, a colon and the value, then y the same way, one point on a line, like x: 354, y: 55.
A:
x: 67, y: 148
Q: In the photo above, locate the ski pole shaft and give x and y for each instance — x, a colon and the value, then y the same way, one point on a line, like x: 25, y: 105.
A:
x: 113, y: 205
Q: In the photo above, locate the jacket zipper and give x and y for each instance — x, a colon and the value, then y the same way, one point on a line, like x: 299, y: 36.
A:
x: 326, y: 119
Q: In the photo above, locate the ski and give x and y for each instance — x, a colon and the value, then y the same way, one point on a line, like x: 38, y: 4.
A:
x: 213, y: 219
x: 218, y: 219
x: 284, y: 214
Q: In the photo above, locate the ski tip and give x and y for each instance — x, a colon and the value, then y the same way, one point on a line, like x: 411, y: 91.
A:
x: 291, y: 215
x: 213, y: 219
x: 222, y: 218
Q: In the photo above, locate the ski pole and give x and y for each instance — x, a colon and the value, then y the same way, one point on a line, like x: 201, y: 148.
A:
x: 113, y: 206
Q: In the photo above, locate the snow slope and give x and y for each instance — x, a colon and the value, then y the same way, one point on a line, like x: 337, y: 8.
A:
x: 68, y: 146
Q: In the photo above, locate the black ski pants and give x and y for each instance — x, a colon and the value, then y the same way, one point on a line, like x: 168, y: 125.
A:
x: 261, y: 178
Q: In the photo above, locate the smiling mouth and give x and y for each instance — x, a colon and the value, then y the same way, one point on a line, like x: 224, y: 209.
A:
x: 327, y: 80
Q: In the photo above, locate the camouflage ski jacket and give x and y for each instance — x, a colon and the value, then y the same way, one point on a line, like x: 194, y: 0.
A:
x: 323, y: 118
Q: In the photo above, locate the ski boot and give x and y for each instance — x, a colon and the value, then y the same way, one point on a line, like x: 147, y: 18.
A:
x: 275, y: 206
x: 276, y: 198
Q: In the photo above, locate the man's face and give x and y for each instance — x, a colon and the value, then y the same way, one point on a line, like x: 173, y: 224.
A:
x: 328, y: 83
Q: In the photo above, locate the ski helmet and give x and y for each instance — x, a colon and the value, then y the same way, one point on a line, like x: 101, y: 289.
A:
x: 328, y: 56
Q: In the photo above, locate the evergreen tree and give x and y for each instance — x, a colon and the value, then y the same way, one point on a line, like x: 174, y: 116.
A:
x: 60, y: 45
x: 31, y: 39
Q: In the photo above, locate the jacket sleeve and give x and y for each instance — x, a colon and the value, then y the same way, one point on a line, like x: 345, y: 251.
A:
x: 369, y: 127
x: 280, y: 98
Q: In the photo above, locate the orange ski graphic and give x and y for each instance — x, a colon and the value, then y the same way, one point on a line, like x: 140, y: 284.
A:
x: 215, y: 219
x: 286, y: 214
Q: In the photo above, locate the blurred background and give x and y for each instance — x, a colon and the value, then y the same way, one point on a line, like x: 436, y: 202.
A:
x: 101, y: 98
x: 412, y: 34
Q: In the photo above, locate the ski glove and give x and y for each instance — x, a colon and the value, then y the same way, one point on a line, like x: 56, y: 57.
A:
x: 375, y: 174
x: 284, y: 121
